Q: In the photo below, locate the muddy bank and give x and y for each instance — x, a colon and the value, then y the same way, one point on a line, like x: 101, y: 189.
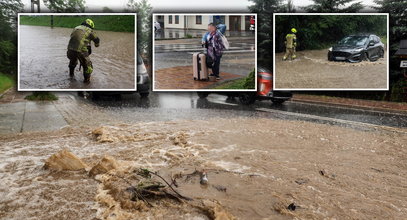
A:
x: 255, y: 168
x: 44, y: 65
x: 313, y: 70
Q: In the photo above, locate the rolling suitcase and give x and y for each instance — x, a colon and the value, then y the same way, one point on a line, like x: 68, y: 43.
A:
x: 200, y: 68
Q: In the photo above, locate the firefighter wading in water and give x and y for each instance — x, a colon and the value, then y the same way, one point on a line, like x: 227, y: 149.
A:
x: 290, y: 44
x: 79, y: 48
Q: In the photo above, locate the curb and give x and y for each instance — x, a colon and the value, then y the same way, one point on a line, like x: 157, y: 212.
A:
x: 363, y: 107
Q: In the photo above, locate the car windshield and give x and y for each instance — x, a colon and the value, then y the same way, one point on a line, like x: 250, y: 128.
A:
x: 353, y: 41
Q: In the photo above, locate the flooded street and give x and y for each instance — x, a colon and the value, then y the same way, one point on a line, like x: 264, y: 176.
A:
x: 254, y: 171
x: 259, y: 159
x: 44, y: 64
x: 313, y: 70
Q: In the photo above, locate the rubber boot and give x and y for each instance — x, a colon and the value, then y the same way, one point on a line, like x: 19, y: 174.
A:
x: 71, y: 72
x: 86, y: 78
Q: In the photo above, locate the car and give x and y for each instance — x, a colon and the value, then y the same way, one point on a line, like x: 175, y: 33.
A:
x: 357, y: 48
x: 143, y: 84
x: 264, y: 90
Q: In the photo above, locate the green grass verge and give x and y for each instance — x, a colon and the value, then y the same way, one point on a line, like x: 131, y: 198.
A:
x: 245, y: 83
x: 6, y: 82
x: 118, y: 23
x: 41, y: 96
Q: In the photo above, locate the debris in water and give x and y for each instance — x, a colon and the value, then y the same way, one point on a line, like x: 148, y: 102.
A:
x: 220, y: 188
x: 106, y: 164
x: 292, y: 207
x: 64, y: 160
x: 204, y: 178
x: 215, y: 210
x: 301, y: 181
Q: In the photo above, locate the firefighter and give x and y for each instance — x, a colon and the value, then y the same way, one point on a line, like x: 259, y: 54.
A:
x: 290, y: 44
x: 79, y: 48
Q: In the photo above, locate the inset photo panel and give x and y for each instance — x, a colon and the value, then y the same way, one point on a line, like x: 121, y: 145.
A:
x: 204, y: 52
x: 331, y: 51
x: 77, y: 52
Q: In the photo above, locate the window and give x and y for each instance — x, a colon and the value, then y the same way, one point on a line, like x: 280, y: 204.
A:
x: 176, y: 19
x: 198, y: 19
x: 170, y: 19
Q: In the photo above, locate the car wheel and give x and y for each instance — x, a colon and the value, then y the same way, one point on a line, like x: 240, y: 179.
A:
x: 278, y: 101
x: 203, y: 95
x: 247, y: 98
x: 381, y: 55
x: 330, y: 57
x: 144, y: 94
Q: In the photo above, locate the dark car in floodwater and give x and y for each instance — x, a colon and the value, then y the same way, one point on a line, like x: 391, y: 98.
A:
x: 357, y: 48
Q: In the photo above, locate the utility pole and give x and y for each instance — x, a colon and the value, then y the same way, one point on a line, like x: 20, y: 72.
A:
x: 33, y: 3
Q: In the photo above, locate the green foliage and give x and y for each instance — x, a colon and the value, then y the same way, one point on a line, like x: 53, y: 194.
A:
x: 321, y: 31
x: 397, y: 91
x: 7, y: 56
x: 265, y: 10
x: 144, y: 34
x: 65, y: 5
x: 244, y: 83
x: 120, y: 23
x: 42, y: 96
x: 324, y: 6
x: 8, y: 35
x: 6, y: 82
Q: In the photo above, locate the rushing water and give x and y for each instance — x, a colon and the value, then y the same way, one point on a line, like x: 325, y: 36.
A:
x: 44, y: 65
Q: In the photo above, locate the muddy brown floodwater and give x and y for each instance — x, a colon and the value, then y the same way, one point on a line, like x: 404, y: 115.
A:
x: 313, y: 70
x: 256, y: 168
x: 44, y: 65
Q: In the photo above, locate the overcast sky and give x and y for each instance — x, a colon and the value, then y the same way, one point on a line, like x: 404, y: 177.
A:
x: 182, y: 5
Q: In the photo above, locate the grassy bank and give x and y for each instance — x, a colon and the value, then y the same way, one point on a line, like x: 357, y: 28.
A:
x: 118, y: 23
x: 244, y: 83
x: 42, y: 96
x: 6, y: 82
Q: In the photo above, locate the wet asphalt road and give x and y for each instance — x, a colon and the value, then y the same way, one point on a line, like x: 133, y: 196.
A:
x: 170, y: 106
x: 75, y: 111
x: 238, y: 59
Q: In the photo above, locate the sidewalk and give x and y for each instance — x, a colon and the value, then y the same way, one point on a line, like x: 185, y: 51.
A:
x: 175, y: 33
x: 18, y: 115
x: 181, y: 77
x: 361, y: 103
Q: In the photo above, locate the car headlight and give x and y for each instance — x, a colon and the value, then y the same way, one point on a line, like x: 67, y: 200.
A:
x: 330, y: 49
x: 357, y: 50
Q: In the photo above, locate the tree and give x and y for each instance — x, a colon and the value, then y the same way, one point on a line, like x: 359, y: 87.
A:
x: 143, y: 10
x: 107, y: 10
x: 265, y: 10
x: 65, y: 5
x: 334, y: 6
x: 8, y: 36
x: 289, y: 7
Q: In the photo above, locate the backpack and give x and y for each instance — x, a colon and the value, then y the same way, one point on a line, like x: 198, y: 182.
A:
x: 224, y: 41
x: 221, y: 28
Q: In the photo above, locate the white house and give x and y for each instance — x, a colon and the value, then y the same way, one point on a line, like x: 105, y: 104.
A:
x: 200, y: 22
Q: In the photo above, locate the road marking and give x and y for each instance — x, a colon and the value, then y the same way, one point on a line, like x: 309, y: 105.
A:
x: 342, y: 121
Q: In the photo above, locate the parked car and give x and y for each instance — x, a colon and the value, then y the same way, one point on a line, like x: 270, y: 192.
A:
x: 264, y: 90
x: 357, y: 48
x: 143, y: 84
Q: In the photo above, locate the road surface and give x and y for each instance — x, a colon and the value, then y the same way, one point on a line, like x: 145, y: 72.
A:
x: 44, y: 64
x: 312, y: 70
x: 328, y: 160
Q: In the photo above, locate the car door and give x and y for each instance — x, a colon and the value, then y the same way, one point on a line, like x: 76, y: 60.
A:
x: 371, y: 49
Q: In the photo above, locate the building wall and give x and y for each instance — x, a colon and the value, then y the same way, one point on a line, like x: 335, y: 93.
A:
x: 173, y: 25
x: 190, y: 22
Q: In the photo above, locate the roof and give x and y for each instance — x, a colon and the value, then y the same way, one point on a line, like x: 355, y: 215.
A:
x: 403, y: 48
